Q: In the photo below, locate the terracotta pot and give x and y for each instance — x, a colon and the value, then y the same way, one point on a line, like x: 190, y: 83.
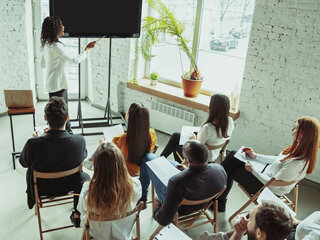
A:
x: 191, y: 87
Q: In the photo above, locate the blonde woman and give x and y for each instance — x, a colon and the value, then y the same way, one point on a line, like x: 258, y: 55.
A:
x: 112, y: 192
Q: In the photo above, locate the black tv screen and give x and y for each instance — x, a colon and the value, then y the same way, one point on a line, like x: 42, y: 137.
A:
x: 96, y: 18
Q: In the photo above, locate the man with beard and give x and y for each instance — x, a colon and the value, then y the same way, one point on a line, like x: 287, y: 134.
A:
x: 268, y: 221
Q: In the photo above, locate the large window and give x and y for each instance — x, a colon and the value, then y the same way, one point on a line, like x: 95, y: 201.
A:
x: 222, y: 42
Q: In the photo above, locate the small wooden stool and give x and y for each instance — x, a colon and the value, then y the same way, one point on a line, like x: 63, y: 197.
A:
x: 18, y: 102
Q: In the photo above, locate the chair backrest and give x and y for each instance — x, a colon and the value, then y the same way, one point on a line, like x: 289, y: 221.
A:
x: 18, y: 98
x: 52, y: 175
x: 96, y: 217
x: 197, y: 202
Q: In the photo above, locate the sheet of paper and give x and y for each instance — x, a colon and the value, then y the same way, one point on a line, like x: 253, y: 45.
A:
x: 113, y: 131
x: 171, y: 232
x: 163, y: 169
x: 259, y: 166
x: 186, y: 133
x: 41, y: 129
x: 266, y: 194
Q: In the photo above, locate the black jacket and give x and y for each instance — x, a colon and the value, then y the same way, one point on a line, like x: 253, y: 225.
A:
x: 56, y: 151
x: 195, y: 183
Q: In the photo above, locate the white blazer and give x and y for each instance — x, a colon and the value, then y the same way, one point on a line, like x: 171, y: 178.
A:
x: 55, y: 61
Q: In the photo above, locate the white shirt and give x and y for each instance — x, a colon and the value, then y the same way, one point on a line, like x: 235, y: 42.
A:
x: 55, y: 60
x: 289, y: 170
x: 120, y: 229
x: 309, y: 228
x: 208, y: 135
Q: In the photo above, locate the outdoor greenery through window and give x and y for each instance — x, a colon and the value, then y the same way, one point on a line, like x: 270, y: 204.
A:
x: 219, y: 40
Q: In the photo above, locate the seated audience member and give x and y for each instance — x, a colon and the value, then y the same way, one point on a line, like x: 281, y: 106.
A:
x: 56, y: 151
x: 112, y: 192
x: 136, y: 145
x: 214, y: 132
x: 268, y: 221
x: 291, y: 166
x: 308, y: 229
x: 200, y: 181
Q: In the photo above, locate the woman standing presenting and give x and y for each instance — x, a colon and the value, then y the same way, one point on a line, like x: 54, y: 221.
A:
x: 55, y: 59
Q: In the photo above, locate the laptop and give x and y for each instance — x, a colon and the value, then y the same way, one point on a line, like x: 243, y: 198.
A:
x: 18, y: 98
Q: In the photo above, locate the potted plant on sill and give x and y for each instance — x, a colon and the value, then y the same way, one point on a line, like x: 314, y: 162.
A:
x: 167, y: 23
x: 154, y: 78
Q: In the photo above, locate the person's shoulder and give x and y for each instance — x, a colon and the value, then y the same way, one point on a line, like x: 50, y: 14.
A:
x: 216, y: 167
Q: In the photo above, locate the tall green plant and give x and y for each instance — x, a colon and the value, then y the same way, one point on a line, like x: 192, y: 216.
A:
x: 165, y: 23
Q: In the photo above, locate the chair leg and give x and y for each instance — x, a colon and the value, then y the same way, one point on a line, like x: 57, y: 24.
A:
x: 152, y: 192
x: 39, y: 220
x: 215, y: 215
x: 138, y: 227
x: 295, y: 197
x: 34, y: 121
x: 13, y: 145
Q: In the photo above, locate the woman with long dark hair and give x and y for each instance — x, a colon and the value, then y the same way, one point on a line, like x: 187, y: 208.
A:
x: 112, y: 192
x: 213, y: 133
x: 289, y: 167
x: 137, y: 143
x: 55, y: 59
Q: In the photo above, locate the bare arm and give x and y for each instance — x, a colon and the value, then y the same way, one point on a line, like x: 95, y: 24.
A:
x: 234, y: 116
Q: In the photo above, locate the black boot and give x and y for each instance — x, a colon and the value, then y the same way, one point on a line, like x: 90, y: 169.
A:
x: 222, y: 205
x: 144, y: 200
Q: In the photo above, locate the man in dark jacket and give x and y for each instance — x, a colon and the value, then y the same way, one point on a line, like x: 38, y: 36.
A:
x: 55, y: 151
x: 200, y: 181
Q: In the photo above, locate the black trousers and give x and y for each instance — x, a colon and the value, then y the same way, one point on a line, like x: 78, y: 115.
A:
x: 64, y: 94
x: 173, y: 146
x: 236, y: 172
x: 61, y: 186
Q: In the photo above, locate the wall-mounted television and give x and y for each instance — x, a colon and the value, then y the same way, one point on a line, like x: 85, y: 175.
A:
x: 96, y: 18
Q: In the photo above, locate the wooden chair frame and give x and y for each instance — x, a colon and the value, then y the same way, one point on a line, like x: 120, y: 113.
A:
x: 44, y: 201
x: 186, y: 222
x: 294, y: 203
x: 95, y: 217
x: 253, y: 198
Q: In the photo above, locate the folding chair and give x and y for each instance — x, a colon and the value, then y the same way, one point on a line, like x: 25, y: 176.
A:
x: 252, y: 198
x: 18, y: 102
x: 222, y: 153
x: 92, y: 216
x: 185, y: 222
x: 294, y: 203
x: 45, y: 201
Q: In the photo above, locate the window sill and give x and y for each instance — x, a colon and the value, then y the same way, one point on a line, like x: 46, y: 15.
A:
x: 171, y: 93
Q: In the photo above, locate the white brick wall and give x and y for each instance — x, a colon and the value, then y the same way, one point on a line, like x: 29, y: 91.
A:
x: 282, y: 75
x: 99, y: 61
x: 14, y: 58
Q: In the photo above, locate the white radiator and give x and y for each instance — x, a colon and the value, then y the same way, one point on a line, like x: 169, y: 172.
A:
x: 169, y: 119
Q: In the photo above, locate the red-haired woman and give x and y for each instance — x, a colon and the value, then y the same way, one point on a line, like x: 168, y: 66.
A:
x: 289, y: 167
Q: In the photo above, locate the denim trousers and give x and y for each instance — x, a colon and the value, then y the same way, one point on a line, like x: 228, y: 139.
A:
x: 144, y: 176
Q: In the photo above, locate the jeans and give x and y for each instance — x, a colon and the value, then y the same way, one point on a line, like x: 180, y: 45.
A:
x: 173, y: 147
x: 159, y: 187
x: 64, y: 94
x: 144, y: 177
x: 235, y: 171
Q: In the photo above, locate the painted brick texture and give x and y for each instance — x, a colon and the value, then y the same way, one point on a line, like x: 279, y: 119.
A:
x: 14, y: 68
x: 282, y: 75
